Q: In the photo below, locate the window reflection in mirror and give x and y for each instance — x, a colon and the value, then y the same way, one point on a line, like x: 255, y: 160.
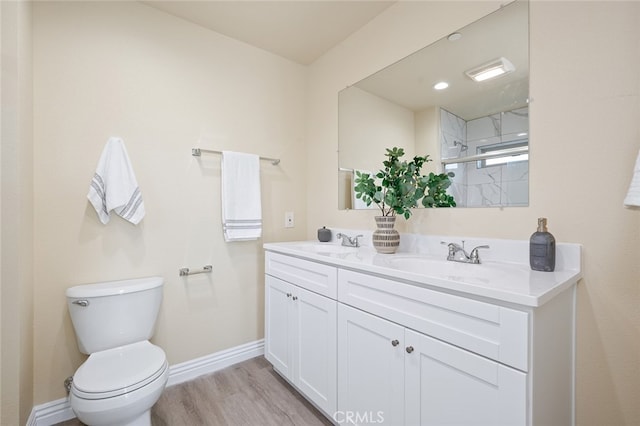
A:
x: 478, y: 130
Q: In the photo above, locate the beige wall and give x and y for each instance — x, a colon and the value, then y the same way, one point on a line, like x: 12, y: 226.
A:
x: 16, y: 215
x: 585, y: 135
x: 399, y: 31
x: 164, y: 85
x: 374, y: 121
x: 428, y: 138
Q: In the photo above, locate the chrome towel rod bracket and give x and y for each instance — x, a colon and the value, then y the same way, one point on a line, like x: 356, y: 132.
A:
x: 186, y: 271
x: 197, y: 152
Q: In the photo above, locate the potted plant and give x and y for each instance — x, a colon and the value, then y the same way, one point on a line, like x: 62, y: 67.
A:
x: 397, y: 189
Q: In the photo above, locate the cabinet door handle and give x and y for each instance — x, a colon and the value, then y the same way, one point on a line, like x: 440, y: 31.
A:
x: 295, y: 297
x: 395, y: 343
x: 409, y: 349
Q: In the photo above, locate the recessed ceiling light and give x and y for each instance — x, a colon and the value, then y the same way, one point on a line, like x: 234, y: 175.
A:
x: 441, y: 85
x: 491, y: 69
x: 454, y: 36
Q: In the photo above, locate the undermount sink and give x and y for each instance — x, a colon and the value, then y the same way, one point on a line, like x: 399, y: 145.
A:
x: 482, y: 272
x: 489, y: 272
x: 327, y: 248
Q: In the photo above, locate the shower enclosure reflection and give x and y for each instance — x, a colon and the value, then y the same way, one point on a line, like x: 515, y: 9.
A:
x: 489, y: 157
x: 476, y: 129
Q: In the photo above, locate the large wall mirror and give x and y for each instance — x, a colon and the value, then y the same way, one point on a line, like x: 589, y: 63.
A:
x: 479, y: 130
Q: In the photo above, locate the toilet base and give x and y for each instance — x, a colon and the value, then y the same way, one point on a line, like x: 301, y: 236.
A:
x: 143, y: 420
x: 123, y: 410
x: 118, y: 417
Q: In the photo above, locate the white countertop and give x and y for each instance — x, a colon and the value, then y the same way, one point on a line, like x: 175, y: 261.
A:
x: 507, y: 281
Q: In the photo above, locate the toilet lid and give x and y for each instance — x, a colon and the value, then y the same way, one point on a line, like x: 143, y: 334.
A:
x: 119, y: 370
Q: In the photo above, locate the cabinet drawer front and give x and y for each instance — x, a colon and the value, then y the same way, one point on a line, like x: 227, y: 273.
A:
x: 316, y: 277
x: 490, y: 330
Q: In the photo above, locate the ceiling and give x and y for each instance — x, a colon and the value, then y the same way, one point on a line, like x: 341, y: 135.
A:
x: 503, y: 33
x: 303, y: 30
x: 300, y: 30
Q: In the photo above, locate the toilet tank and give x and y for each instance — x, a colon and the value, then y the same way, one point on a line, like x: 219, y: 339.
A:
x: 114, y: 313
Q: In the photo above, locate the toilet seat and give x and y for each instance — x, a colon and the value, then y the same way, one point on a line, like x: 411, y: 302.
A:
x: 114, y: 372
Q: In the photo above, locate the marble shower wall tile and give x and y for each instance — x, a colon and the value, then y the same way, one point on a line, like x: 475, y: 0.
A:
x: 452, y: 129
x: 516, y: 121
x: 516, y: 193
x: 474, y: 185
x: 458, y: 188
x: 484, y: 185
x: 515, y: 183
x: 484, y: 127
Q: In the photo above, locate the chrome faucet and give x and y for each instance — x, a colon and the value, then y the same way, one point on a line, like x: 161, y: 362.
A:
x: 457, y: 253
x: 348, y: 241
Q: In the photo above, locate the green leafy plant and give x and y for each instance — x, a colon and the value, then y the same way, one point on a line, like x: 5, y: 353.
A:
x: 400, y: 186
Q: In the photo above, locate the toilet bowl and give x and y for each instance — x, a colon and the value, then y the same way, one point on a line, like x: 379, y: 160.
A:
x: 125, y: 374
x: 119, y: 386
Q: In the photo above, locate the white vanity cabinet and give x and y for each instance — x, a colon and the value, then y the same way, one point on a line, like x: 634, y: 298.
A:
x: 300, y: 326
x: 391, y: 373
x: 451, y: 352
x: 373, y: 345
x: 465, y: 361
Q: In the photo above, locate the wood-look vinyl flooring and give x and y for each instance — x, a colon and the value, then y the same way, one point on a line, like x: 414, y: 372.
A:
x: 249, y: 393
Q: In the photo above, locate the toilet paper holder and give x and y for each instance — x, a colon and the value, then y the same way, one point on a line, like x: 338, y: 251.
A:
x: 186, y: 271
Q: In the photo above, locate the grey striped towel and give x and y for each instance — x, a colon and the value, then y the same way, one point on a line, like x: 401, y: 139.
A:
x: 114, y: 186
x: 241, y: 202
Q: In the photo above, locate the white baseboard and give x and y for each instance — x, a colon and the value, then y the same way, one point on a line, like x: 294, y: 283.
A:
x: 189, y: 370
x: 53, y: 412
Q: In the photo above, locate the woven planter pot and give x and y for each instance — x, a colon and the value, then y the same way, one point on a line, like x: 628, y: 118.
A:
x: 386, y: 239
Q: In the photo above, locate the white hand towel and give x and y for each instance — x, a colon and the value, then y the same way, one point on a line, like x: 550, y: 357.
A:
x: 241, y: 203
x: 633, y: 195
x: 114, y: 185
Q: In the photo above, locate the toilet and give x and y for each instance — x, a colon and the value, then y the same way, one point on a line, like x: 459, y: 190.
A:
x: 125, y: 374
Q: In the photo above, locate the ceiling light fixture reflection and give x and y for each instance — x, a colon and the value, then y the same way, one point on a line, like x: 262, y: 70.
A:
x: 441, y: 85
x: 492, y: 69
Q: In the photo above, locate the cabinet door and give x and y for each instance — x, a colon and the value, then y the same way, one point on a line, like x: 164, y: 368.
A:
x: 370, y: 369
x: 315, y: 348
x: 278, y: 334
x: 446, y: 385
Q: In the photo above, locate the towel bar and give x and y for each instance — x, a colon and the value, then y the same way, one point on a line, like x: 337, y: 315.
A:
x: 494, y: 154
x: 186, y: 271
x: 197, y: 152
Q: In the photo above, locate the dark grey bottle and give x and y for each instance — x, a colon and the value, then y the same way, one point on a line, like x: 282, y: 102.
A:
x: 542, y: 248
